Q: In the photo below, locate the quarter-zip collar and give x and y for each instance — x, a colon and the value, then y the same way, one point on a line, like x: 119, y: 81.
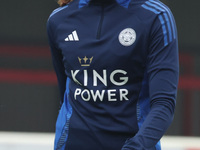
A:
x: 123, y: 3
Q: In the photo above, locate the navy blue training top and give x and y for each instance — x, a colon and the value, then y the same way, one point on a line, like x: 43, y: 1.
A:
x: 117, y: 69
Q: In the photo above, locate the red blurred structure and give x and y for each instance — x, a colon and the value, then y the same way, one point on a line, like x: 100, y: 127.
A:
x: 188, y: 82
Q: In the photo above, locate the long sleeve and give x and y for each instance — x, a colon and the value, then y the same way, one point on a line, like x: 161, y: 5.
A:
x: 162, y: 70
x: 57, y: 61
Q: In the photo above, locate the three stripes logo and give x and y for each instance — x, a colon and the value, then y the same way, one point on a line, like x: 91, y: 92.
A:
x: 72, y: 37
x: 166, y: 19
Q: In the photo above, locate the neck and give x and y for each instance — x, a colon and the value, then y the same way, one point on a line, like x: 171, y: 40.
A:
x: 103, y: 1
x: 123, y: 3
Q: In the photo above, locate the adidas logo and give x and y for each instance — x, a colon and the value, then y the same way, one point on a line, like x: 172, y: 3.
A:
x: 72, y: 37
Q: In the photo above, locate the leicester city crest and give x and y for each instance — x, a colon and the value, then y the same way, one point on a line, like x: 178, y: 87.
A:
x: 127, y: 37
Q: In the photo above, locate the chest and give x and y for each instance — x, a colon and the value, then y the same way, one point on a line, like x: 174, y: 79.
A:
x: 101, y: 38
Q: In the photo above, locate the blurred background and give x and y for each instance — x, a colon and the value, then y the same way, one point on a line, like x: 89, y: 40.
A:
x: 29, y: 97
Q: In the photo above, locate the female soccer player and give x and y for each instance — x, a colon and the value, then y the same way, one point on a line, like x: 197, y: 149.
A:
x: 117, y: 67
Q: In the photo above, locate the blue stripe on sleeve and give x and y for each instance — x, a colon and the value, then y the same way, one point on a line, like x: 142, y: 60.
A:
x: 169, y: 13
x: 164, y: 29
x: 161, y: 21
x: 169, y: 27
x: 165, y: 16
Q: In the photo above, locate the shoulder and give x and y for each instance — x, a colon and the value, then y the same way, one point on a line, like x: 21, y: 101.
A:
x: 150, y: 8
x: 155, y: 10
x: 57, y: 11
x: 56, y: 16
x: 164, y: 17
x: 156, y: 7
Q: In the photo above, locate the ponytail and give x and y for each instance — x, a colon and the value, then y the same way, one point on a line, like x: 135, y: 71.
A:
x: 64, y: 2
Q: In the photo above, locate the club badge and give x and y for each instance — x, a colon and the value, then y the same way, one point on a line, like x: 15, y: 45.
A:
x: 127, y: 37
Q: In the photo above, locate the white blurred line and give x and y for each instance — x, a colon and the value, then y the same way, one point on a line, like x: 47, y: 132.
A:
x: 180, y: 142
x: 26, y: 141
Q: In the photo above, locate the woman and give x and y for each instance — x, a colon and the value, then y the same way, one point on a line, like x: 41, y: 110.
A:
x: 117, y: 68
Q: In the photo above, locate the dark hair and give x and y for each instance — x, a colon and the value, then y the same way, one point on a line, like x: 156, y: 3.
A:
x: 64, y: 2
